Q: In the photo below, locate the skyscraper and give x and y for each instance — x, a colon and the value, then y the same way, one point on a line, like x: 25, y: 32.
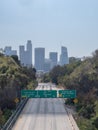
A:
x: 29, y: 53
x: 22, y: 54
x: 64, y: 56
x: 53, y: 56
x: 47, y: 65
x: 26, y: 55
x: 39, y: 58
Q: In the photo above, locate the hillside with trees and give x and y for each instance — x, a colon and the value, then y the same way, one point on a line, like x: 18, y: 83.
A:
x: 83, y: 77
x: 13, y: 78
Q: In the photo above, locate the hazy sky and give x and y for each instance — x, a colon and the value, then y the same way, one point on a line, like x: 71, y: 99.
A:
x: 50, y: 24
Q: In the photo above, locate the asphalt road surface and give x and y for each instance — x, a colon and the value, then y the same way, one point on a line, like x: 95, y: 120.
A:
x: 44, y: 113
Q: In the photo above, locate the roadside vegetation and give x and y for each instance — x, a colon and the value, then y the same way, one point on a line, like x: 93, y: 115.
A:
x: 82, y: 76
x: 13, y: 78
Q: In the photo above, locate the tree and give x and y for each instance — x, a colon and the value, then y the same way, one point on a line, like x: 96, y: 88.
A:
x: 15, y: 58
x: 96, y: 122
x: 2, y: 119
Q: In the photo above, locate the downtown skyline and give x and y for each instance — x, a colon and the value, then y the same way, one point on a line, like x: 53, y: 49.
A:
x: 50, y: 24
x: 78, y: 52
x: 28, y: 57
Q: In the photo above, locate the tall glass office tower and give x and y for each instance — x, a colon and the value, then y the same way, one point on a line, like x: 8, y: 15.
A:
x: 39, y: 58
x: 53, y: 56
x: 29, y: 53
x: 26, y: 55
x: 64, y: 56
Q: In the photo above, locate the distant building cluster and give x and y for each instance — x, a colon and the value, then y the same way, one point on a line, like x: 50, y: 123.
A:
x: 45, y: 65
x: 8, y: 51
x: 40, y: 62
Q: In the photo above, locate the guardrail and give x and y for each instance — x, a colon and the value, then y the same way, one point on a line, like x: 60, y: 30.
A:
x: 72, y: 121
x: 9, y: 124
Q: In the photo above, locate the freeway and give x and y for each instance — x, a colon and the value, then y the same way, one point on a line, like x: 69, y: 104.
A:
x: 44, y: 114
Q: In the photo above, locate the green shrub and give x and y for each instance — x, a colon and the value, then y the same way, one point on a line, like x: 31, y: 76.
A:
x: 96, y: 122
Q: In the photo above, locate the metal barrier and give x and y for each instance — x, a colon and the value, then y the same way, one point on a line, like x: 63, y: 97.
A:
x: 9, y: 124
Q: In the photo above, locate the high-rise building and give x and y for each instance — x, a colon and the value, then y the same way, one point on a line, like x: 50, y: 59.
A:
x: 9, y: 52
x: 29, y: 53
x: 22, y: 55
x: 26, y: 55
x: 47, y: 65
x: 64, y: 56
x: 53, y: 56
x: 39, y: 58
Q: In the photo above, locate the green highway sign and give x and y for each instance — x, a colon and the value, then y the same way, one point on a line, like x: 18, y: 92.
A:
x: 29, y: 93
x: 67, y: 93
x: 48, y: 93
x: 39, y: 93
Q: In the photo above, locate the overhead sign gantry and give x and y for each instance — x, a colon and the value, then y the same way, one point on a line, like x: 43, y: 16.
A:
x: 48, y: 93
